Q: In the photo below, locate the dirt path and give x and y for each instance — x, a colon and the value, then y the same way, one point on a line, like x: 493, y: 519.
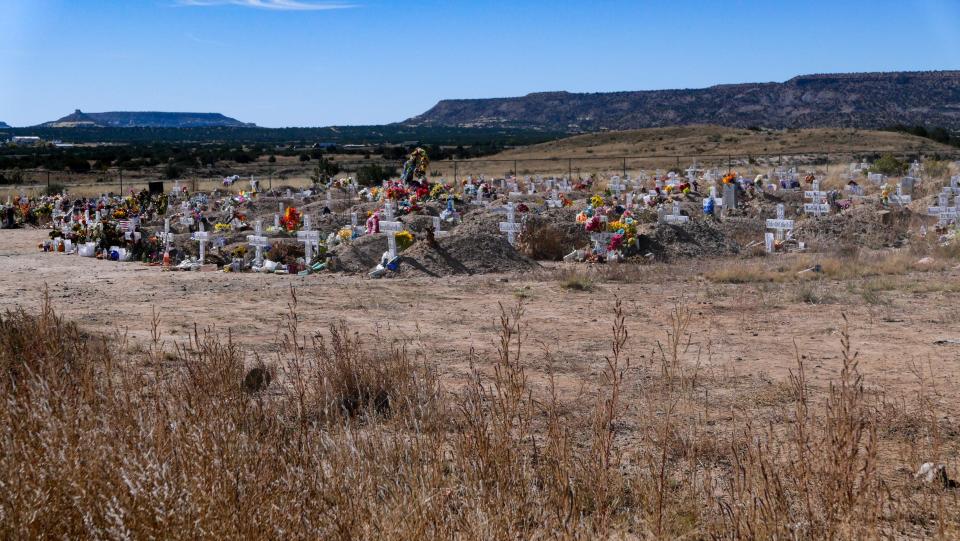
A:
x: 738, y: 329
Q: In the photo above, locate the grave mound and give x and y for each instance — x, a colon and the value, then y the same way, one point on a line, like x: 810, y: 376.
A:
x: 463, y: 252
x: 862, y: 226
x: 695, y: 239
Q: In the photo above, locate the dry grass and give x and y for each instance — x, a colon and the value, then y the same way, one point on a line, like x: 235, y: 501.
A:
x: 858, y: 265
x: 359, y: 441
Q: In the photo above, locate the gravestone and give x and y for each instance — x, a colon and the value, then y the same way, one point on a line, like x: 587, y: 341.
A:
x: 601, y: 242
x: 899, y: 198
x: 259, y: 242
x: 166, y: 237
x: 729, y: 197
x: 309, y: 238
x: 390, y: 228
x: 817, y: 205
x: 203, y: 238
x: 510, y: 227
x: 674, y: 218
x: 437, y: 231
x: 554, y: 201
x: 780, y: 226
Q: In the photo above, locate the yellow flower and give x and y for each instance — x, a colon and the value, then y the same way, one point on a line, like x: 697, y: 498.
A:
x: 404, y: 240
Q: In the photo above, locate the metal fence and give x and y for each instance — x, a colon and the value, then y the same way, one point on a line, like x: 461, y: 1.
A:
x: 118, y: 180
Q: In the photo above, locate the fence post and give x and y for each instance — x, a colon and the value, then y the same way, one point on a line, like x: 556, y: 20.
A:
x: 570, y: 169
x: 624, y: 167
x: 455, y: 181
x: 48, y: 181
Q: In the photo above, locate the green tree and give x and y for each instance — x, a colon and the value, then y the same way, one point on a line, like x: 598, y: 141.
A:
x: 888, y: 165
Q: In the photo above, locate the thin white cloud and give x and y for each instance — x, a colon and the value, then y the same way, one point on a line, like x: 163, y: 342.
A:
x: 272, y: 5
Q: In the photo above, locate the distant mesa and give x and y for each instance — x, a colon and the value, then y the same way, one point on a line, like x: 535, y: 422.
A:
x: 145, y: 119
x: 846, y: 100
x: 4, y: 125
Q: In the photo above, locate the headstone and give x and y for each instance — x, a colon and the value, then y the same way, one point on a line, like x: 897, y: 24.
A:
x: 390, y: 228
x: 674, y: 217
x: 601, y: 241
x: 780, y: 227
x: 437, y: 232
x: 616, y: 186
x: 554, y: 201
x: 510, y: 227
x: 876, y: 178
x: 817, y: 205
x: 203, y: 238
x: 943, y: 211
x: 309, y: 238
x: 259, y: 242
x: 900, y: 198
x: 166, y: 237
x: 729, y: 197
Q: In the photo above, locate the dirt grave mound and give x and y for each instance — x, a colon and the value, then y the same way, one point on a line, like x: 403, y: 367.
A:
x: 695, y: 239
x: 862, y: 226
x: 463, y: 252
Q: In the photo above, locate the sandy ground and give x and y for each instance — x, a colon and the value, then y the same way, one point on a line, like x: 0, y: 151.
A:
x: 735, y: 329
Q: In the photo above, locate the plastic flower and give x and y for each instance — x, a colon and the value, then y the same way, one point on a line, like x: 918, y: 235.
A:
x: 404, y: 240
x: 596, y: 201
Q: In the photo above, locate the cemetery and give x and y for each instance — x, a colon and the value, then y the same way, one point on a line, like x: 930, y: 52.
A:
x: 740, y: 292
x: 413, y: 226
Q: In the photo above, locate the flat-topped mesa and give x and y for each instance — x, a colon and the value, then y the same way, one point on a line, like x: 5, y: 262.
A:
x: 848, y: 100
x: 145, y: 119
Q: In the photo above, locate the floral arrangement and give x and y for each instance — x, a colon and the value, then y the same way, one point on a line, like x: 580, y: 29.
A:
x: 404, y: 240
x: 729, y: 178
x: 290, y: 219
x: 221, y: 227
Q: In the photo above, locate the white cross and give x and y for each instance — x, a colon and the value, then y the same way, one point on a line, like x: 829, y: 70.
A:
x: 616, y: 186
x: 600, y: 242
x: 437, y: 232
x: 955, y: 184
x: 779, y: 225
x: 675, y: 217
x: 899, y: 198
x: 166, y: 236
x: 816, y: 206
x: 203, y: 238
x: 943, y: 211
x: 511, y: 227
x: 329, y: 203
x: 391, y: 228
x: 309, y: 238
x: 259, y: 242
x: 554, y: 201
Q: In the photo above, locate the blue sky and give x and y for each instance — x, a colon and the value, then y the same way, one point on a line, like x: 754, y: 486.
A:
x: 312, y: 63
